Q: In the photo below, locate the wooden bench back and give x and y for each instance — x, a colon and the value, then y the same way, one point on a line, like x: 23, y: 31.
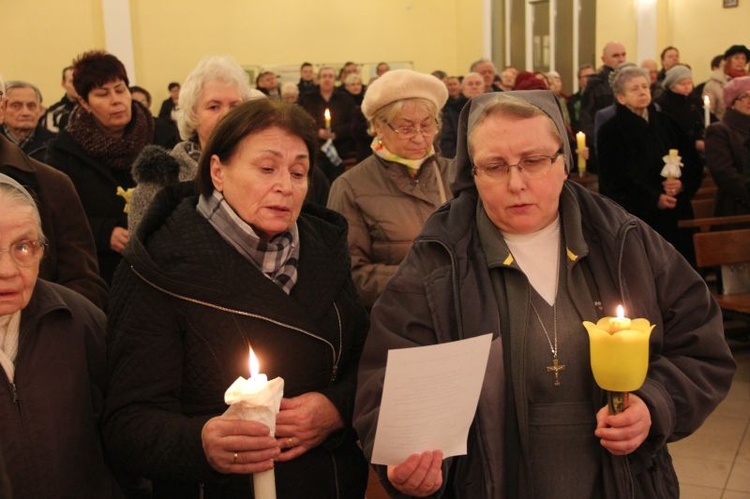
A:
x: 724, y: 247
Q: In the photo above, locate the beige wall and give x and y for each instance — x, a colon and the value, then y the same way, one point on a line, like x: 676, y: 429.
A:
x: 701, y: 29
x: 170, y: 36
x: 40, y: 37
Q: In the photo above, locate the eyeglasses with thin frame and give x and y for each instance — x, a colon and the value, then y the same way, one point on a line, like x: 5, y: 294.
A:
x: 411, y: 131
x: 531, y: 166
x: 25, y: 253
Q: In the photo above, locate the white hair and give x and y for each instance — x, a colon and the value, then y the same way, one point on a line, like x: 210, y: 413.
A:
x: 289, y: 88
x: 218, y: 67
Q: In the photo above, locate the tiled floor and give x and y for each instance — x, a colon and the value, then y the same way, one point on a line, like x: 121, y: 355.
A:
x: 714, y: 462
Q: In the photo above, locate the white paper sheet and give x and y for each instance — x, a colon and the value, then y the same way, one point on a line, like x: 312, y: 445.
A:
x: 430, y: 395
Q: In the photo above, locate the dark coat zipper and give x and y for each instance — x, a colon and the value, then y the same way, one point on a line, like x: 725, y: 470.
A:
x: 336, y: 355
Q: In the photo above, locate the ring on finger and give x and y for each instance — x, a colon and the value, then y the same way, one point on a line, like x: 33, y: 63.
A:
x: 290, y: 442
x: 234, y: 458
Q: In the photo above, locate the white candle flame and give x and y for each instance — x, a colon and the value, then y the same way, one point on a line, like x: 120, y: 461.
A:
x: 253, y: 363
x: 620, y: 312
x: 327, y: 114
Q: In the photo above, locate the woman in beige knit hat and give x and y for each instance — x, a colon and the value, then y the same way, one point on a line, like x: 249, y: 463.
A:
x: 387, y: 197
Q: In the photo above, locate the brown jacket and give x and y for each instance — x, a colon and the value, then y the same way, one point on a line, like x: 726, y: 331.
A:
x: 70, y: 259
x: 385, y: 209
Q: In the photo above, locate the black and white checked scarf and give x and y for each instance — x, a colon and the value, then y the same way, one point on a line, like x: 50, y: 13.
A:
x: 277, y: 258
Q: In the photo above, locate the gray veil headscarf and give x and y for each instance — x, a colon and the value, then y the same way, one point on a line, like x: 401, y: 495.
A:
x: 6, y: 180
x: 472, y: 111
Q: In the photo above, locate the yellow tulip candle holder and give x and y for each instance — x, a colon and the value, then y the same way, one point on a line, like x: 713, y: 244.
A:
x: 619, y: 356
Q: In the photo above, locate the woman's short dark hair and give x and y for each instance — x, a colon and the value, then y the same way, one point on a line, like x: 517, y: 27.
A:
x: 252, y: 117
x: 96, y: 68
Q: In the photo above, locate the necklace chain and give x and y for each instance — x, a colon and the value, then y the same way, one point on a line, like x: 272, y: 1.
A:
x: 553, y: 348
x: 555, y: 368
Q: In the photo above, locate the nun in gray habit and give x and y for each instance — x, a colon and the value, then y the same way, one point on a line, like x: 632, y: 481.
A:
x: 527, y: 255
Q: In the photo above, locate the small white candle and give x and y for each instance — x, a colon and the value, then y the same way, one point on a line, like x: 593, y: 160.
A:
x: 327, y: 115
x: 706, y: 110
x: 257, y: 399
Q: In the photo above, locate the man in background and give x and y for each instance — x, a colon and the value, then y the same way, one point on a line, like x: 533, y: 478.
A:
x: 486, y: 68
x: 574, y: 101
x: 22, y: 108
x: 306, y: 78
x: 56, y: 117
x: 598, y: 94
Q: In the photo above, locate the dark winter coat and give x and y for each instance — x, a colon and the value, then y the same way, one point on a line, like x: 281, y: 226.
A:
x: 70, y: 258
x: 49, y: 435
x: 443, y: 292
x: 630, y: 162
x: 685, y: 110
x: 199, y: 304
x: 97, y: 187
x: 36, y: 148
x: 728, y: 159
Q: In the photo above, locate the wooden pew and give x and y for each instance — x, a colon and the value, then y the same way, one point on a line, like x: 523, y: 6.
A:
x: 705, y: 224
x: 726, y: 247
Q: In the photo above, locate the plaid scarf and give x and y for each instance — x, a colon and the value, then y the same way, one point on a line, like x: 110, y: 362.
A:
x: 277, y: 258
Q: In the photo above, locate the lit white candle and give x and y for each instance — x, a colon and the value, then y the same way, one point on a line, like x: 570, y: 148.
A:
x: 706, y: 110
x: 580, y: 146
x: 257, y: 399
x: 327, y: 115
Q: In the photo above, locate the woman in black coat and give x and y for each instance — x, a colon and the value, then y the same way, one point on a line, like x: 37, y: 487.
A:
x: 240, y: 264
x: 104, y: 135
x: 631, y: 148
x: 677, y: 101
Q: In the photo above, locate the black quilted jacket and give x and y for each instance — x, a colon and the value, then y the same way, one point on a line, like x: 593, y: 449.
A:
x: 184, y: 307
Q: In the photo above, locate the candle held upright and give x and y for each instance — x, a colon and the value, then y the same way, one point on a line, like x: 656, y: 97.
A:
x: 706, y: 111
x: 327, y: 116
x: 580, y: 146
x: 257, y: 399
x: 619, y: 356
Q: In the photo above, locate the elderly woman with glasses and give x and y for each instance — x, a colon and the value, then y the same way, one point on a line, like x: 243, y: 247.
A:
x: 388, y: 196
x: 526, y: 256
x: 52, y: 360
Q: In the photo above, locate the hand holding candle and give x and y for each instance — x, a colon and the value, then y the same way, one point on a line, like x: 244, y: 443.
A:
x: 580, y: 146
x: 257, y: 399
x: 619, y: 355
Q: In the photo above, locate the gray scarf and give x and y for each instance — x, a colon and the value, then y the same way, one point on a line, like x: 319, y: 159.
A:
x: 277, y: 258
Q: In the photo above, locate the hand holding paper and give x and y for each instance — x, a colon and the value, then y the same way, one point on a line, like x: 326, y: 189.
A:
x: 430, y: 395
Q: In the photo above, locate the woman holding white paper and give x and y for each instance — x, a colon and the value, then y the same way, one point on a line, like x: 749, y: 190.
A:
x: 240, y: 262
x: 526, y: 255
